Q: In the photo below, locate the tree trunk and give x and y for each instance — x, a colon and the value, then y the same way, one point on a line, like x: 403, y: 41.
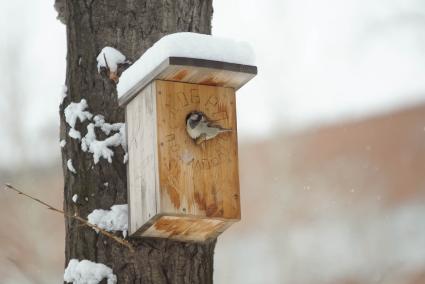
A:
x: 131, y: 26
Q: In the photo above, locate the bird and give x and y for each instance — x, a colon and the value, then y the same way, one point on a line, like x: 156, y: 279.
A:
x: 200, y: 128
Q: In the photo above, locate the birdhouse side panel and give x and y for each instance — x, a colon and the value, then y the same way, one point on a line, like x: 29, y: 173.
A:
x: 142, y: 163
x: 199, y: 180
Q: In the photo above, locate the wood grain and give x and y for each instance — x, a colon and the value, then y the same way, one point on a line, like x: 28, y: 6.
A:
x: 196, y: 71
x: 169, y: 175
x: 200, y: 180
x: 185, y: 228
x: 142, y: 167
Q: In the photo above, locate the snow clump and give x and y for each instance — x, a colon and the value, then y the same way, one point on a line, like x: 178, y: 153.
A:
x: 89, y: 143
x: 101, y: 148
x: 70, y: 166
x: 87, y: 272
x: 113, y: 58
x: 76, y: 111
x: 75, y: 134
x: 115, y: 219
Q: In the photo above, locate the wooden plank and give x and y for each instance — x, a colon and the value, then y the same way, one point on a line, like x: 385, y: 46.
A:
x: 142, y: 164
x: 205, y: 76
x: 200, y: 180
x: 185, y: 228
x: 197, y: 71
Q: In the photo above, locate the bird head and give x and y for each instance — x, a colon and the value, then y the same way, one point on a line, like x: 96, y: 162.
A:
x: 193, y: 118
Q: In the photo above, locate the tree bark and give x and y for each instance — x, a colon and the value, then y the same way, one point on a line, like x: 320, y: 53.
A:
x: 131, y: 26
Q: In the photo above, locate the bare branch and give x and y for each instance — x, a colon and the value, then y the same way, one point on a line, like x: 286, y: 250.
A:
x: 76, y: 217
x: 106, y: 62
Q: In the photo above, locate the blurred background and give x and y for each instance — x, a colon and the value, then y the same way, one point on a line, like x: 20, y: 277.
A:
x: 332, y: 142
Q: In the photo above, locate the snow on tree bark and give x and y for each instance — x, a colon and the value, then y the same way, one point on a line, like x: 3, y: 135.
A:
x: 131, y: 27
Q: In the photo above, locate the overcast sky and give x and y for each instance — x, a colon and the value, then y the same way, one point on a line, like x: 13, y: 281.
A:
x: 319, y: 61
x: 327, y: 60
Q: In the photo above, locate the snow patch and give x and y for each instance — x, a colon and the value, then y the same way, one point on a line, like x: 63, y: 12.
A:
x: 87, y: 272
x: 73, y: 112
x: 113, y: 58
x: 101, y: 148
x: 75, y: 134
x: 99, y: 121
x: 63, y: 93
x: 192, y: 45
x: 76, y: 111
x: 115, y: 219
x: 75, y: 198
x: 70, y: 166
x: 62, y: 143
x: 89, y: 143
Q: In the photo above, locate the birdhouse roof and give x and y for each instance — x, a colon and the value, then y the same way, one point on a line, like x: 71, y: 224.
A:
x: 191, y: 58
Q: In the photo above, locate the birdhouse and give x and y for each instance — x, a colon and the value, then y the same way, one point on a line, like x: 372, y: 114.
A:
x: 179, y: 187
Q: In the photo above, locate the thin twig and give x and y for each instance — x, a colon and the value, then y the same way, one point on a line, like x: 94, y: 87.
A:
x: 76, y: 217
x: 106, y: 61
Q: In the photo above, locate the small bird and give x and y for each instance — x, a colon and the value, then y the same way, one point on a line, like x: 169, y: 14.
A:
x: 200, y: 128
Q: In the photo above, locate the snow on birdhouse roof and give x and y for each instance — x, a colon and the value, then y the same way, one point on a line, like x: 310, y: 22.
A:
x: 193, y: 58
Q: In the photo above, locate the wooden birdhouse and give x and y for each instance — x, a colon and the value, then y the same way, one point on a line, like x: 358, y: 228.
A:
x: 178, y: 188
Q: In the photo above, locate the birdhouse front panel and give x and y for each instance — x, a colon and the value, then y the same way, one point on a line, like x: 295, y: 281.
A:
x: 197, y: 179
